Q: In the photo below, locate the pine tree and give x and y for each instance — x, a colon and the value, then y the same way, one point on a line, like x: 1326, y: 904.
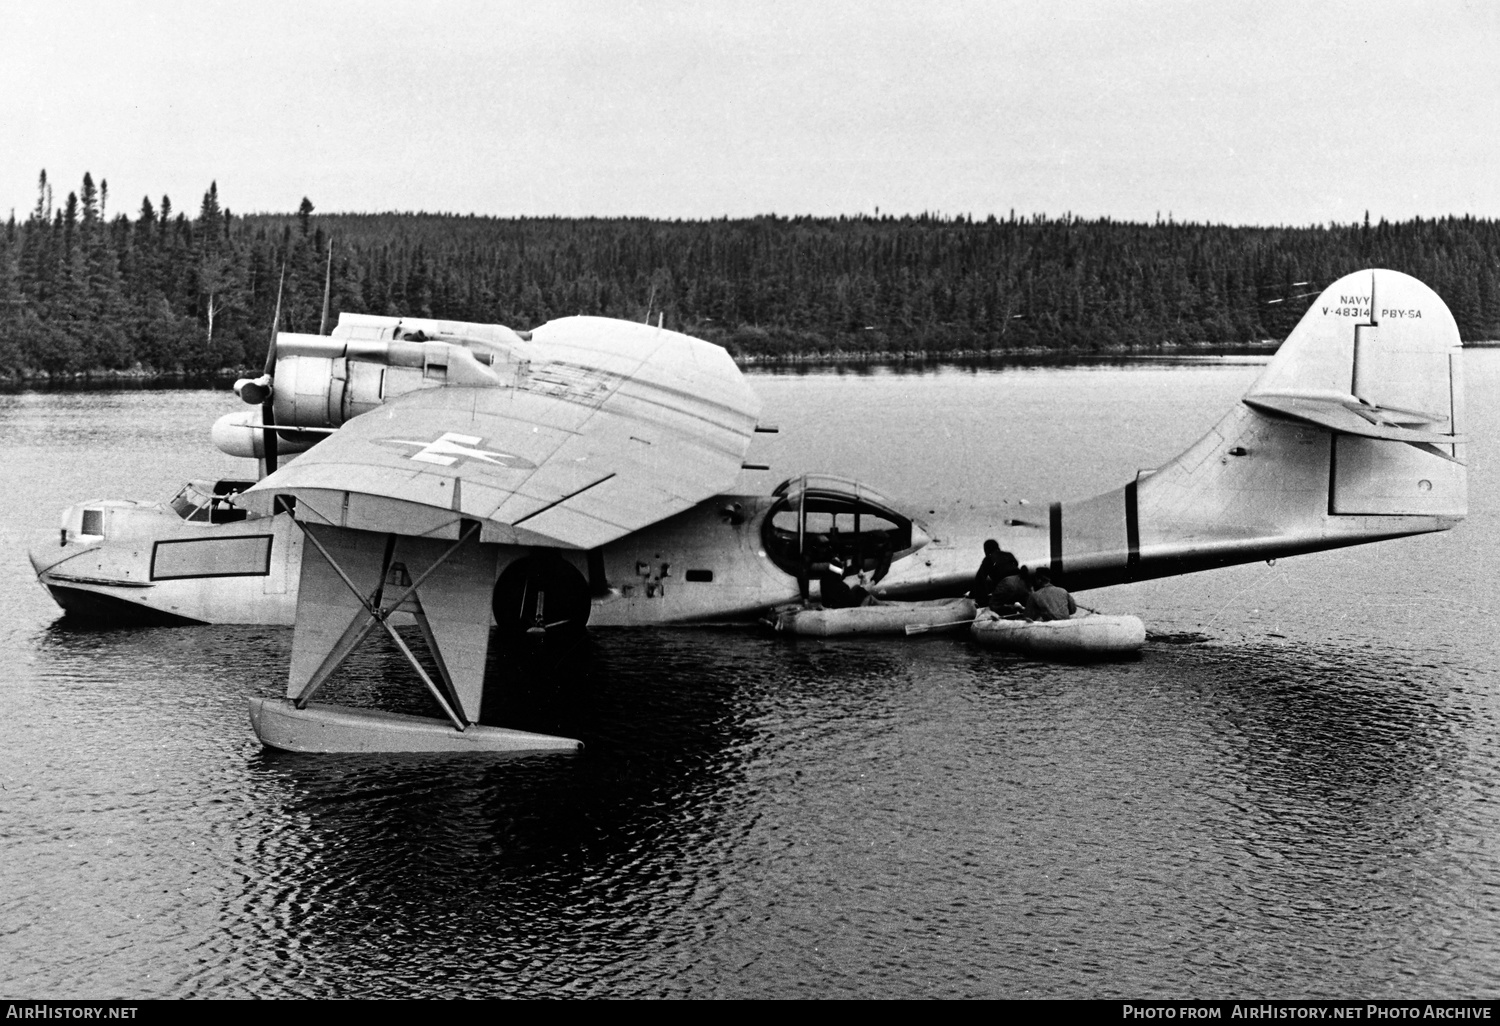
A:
x: 43, y: 211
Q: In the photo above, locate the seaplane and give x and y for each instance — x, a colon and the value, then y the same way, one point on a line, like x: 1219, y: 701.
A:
x: 479, y: 482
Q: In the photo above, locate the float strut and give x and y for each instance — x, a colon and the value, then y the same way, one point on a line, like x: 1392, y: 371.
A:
x: 379, y: 613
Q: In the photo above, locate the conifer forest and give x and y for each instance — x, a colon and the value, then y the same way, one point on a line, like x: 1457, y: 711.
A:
x: 84, y: 289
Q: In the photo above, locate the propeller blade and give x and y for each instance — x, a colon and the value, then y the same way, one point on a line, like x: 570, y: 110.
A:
x: 275, y: 325
x: 267, y: 407
x: 268, y: 418
x: 327, y: 289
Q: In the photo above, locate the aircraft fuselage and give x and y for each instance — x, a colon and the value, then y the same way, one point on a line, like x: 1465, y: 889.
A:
x: 144, y: 561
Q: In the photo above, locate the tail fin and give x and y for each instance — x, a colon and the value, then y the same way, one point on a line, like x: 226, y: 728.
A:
x: 1351, y: 435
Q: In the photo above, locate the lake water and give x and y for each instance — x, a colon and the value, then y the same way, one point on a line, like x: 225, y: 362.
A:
x: 1301, y: 804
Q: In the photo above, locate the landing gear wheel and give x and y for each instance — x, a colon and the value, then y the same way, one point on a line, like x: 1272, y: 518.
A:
x: 540, y: 595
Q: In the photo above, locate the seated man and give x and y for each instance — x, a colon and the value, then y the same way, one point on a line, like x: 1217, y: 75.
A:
x: 1047, y: 601
x: 1011, y: 592
x: 833, y: 593
x: 863, y: 591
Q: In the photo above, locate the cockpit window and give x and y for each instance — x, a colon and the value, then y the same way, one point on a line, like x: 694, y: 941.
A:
x: 189, y: 502
x: 209, y: 503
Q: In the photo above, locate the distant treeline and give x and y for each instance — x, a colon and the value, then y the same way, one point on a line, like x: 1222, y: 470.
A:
x: 82, y: 289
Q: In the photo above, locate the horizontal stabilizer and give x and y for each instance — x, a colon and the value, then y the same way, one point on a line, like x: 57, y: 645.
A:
x: 1351, y: 416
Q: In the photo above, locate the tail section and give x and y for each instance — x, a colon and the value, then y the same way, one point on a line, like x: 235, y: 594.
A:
x: 1351, y: 435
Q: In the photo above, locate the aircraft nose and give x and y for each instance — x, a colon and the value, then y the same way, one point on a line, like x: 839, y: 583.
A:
x: 44, y: 557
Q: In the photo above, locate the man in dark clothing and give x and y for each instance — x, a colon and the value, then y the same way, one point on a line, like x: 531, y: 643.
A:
x: 1047, y: 600
x: 1011, y: 592
x: 833, y: 593
x: 834, y: 590
x: 997, y: 563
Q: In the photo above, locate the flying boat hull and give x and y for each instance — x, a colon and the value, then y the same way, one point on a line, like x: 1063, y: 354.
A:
x: 123, y: 563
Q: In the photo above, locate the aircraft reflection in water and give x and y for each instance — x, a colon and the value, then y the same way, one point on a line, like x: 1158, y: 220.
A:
x: 474, y: 477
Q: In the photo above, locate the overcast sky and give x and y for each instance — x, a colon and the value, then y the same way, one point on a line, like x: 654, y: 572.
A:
x: 1268, y: 112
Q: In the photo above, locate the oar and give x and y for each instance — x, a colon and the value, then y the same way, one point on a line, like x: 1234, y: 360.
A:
x: 923, y: 628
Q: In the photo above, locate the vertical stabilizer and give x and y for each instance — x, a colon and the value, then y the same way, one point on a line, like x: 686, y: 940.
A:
x: 1352, y: 434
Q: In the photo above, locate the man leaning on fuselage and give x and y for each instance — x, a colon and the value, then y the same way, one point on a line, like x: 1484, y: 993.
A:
x: 994, y: 566
x: 1000, y: 582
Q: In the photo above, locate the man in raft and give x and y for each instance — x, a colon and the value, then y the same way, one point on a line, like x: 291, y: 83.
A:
x: 1047, y: 601
x: 834, y: 591
x: 1000, y: 582
x: 1011, y: 591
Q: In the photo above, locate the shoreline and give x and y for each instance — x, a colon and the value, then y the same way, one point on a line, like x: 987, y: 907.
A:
x: 1030, y: 355
x: 144, y: 377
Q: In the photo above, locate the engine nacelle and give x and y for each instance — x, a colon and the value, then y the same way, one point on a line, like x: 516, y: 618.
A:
x: 242, y: 434
x: 321, y: 391
x: 323, y: 381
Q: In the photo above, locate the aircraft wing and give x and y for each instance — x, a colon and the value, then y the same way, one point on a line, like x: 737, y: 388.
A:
x: 592, y: 429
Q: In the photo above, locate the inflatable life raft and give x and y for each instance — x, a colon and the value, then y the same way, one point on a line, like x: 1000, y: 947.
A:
x: 1087, y: 636
x: 884, y: 618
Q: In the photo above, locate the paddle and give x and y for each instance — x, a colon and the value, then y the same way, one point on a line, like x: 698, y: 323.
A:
x: 1091, y: 609
x: 923, y: 628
